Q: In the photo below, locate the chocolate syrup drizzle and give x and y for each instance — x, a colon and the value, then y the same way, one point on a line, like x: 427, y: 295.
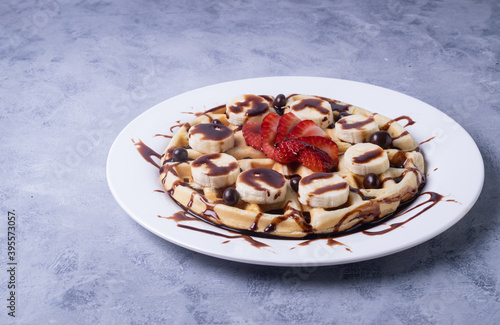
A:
x: 146, y: 152
x: 426, y: 140
x: 300, y: 217
x: 257, y: 103
x: 355, y: 125
x: 408, y: 119
x: 434, y: 198
x: 368, y: 156
x: 185, y: 216
x: 314, y: 103
x: 164, y: 135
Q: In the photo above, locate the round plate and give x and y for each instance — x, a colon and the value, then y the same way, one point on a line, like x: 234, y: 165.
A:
x: 135, y: 183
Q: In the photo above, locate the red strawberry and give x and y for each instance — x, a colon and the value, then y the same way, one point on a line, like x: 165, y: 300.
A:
x: 325, y: 144
x: 306, y: 128
x: 251, y: 133
x: 316, y: 160
x: 287, y: 151
x: 287, y: 122
x: 269, y: 129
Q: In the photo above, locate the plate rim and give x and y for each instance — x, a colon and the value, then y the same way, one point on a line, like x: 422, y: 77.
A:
x: 419, y: 240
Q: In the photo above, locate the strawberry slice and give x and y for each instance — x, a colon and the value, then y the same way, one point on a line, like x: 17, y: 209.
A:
x: 251, y: 133
x: 269, y: 130
x: 287, y: 122
x: 306, y: 128
x: 325, y: 144
x: 287, y: 151
x: 316, y: 160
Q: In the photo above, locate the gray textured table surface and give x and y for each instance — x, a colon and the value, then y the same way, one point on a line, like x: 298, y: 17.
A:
x: 67, y: 67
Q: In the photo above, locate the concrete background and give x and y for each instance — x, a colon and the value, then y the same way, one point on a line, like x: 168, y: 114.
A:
x: 67, y: 66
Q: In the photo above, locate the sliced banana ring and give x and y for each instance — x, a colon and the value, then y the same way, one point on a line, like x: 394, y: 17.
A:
x: 323, y: 190
x: 247, y: 108
x: 355, y: 128
x: 366, y: 158
x: 315, y: 109
x: 211, y: 137
x: 215, y: 170
x: 261, y: 186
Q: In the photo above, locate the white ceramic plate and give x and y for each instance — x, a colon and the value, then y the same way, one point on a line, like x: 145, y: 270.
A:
x: 135, y: 182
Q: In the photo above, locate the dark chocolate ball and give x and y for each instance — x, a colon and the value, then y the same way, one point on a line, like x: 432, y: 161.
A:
x: 382, y: 139
x: 372, y: 181
x: 279, y: 101
x: 179, y: 155
x: 216, y: 121
x: 231, y: 196
x: 294, y: 183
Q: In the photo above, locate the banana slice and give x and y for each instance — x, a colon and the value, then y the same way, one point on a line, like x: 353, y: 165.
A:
x: 261, y: 186
x: 211, y: 137
x: 323, y: 190
x: 247, y: 108
x: 366, y: 158
x: 215, y: 170
x: 355, y: 128
x: 315, y: 109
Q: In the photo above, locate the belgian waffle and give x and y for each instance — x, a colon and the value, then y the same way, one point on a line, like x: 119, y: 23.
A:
x: 289, y: 217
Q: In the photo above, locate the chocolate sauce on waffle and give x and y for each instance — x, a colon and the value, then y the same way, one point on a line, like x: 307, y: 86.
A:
x: 356, y: 125
x: 398, y: 160
x: 213, y: 169
x: 314, y: 103
x: 369, y: 156
x: 257, y: 103
x: 434, y: 198
x: 255, y: 176
x: 211, y: 131
x: 338, y: 107
x: 311, y: 178
x: 334, y: 187
x: 408, y: 119
x: 401, y: 135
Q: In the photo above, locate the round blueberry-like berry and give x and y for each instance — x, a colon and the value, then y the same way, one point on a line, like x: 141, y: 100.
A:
x: 372, y: 181
x: 216, y: 121
x: 382, y: 139
x: 294, y: 183
x: 231, y: 196
x: 180, y: 154
x: 279, y: 101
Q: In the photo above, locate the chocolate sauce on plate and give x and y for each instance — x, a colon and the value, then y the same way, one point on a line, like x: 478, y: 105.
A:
x: 427, y: 140
x: 146, y: 152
